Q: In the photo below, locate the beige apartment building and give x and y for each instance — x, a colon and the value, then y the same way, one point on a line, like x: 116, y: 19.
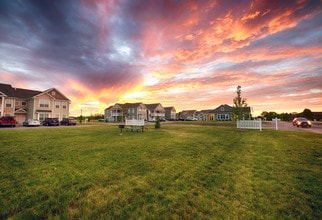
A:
x: 31, y: 104
x: 119, y: 112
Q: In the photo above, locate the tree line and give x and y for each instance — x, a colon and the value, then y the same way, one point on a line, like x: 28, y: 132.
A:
x: 307, y: 113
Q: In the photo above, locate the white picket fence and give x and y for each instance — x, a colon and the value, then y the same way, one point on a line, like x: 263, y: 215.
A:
x: 250, y: 124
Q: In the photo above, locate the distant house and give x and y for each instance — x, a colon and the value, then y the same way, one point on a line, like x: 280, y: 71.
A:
x: 31, y: 104
x: 170, y: 113
x: 187, y: 114
x: 223, y: 113
x: 154, y: 111
x: 226, y: 113
x: 119, y: 112
x: 205, y: 115
x: 135, y: 111
x: 114, y: 113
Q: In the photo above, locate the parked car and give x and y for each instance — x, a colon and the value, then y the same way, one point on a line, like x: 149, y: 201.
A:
x: 8, y: 121
x: 51, y: 122
x: 301, y: 121
x: 68, y: 121
x: 191, y: 119
x: 31, y: 122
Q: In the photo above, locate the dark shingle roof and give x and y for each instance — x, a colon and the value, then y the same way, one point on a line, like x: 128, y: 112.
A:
x: 131, y: 105
x: 10, y: 91
x: 17, y: 92
x: 169, y: 108
x: 152, y: 106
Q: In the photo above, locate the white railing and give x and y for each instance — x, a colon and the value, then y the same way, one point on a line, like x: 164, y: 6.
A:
x: 115, y: 114
x: 250, y: 124
x: 158, y: 114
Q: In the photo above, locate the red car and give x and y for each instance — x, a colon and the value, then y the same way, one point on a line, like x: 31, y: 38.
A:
x: 8, y: 121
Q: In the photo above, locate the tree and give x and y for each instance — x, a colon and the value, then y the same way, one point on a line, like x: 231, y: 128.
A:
x: 307, y: 113
x: 239, y: 104
x: 285, y: 116
x: 271, y: 115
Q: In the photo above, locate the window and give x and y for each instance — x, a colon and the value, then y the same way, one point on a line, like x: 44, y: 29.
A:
x: 57, y: 116
x: 222, y: 109
x: 23, y: 103
x: 53, y: 93
x: 43, y: 103
x: 8, y: 103
x: 57, y: 104
x: 64, y: 116
x: 64, y: 104
x: 223, y: 117
x: 43, y: 116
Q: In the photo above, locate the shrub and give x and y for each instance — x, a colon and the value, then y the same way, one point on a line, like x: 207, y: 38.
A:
x: 157, y: 123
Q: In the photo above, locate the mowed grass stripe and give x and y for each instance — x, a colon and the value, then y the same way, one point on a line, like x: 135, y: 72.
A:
x: 176, y: 172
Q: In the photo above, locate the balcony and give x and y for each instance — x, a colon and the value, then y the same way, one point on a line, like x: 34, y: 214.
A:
x: 116, y: 114
x: 160, y: 114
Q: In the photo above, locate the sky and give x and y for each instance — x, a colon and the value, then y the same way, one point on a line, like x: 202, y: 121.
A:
x: 188, y: 54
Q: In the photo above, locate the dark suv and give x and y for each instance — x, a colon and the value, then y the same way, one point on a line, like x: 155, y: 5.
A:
x: 68, y: 121
x: 8, y: 121
x: 50, y: 122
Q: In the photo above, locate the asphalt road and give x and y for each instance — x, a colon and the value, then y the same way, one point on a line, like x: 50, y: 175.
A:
x: 282, y: 125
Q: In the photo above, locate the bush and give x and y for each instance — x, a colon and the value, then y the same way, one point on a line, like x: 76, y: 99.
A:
x: 157, y: 123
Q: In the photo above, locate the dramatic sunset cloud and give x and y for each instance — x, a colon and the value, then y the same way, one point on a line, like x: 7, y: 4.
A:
x: 186, y: 54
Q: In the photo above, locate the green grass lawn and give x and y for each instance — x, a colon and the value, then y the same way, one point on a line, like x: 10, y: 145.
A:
x: 180, y: 171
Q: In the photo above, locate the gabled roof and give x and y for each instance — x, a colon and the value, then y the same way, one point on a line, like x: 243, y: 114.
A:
x: 169, y: 108
x: 53, y: 92
x: 188, y: 112
x: 153, y: 106
x: 131, y: 105
x: 204, y: 111
x: 110, y: 107
x: 21, y: 111
x: 227, y: 108
x: 126, y: 105
x: 9, y: 91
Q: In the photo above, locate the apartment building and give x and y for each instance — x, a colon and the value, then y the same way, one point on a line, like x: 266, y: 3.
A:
x: 120, y: 112
x: 31, y: 104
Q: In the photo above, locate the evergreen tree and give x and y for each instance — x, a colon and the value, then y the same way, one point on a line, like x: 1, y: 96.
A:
x: 239, y: 105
